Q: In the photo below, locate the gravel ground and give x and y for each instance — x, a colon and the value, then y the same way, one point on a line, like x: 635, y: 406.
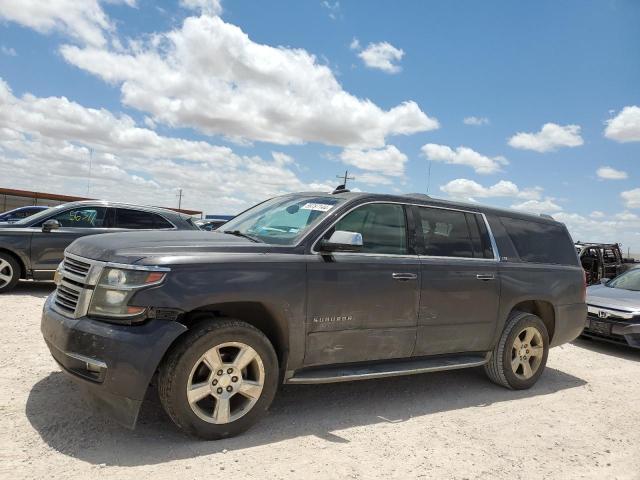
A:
x: 582, y: 420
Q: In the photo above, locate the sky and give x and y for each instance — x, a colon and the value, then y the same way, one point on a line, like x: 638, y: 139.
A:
x: 533, y: 106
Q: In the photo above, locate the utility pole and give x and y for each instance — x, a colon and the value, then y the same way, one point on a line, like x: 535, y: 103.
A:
x: 179, y: 195
x: 428, y: 176
x: 345, y: 178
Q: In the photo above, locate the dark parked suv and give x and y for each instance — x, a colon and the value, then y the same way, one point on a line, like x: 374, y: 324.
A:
x: 33, y: 247
x: 311, y: 288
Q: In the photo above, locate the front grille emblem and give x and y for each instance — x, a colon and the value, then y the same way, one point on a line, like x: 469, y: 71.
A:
x: 603, y: 314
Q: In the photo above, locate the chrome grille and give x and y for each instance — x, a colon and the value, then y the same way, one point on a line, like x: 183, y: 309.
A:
x: 76, y: 267
x: 75, y: 279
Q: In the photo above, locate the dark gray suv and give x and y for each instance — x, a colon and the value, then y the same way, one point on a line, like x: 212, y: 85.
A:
x: 311, y: 288
x: 32, y: 248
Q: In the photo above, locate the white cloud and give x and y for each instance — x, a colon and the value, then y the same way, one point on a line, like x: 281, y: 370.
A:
x: 610, y: 173
x: 597, y: 214
x: 549, y: 138
x: 626, y: 216
x: 333, y: 8
x: 83, y: 20
x: 464, y: 156
x: 538, y: 206
x: 373, y: 179
x: 382, y: 56
x: 616, y: 228
x: 8, y: 51
x: 48, y: 141
x: 465, y: 189
x: 625, y: 127
x: 631, y: 198
x: 386, y: 161
x: 476, y: 121
x: 211, y: 7
x: 211, y: 76
x: 355, y: 44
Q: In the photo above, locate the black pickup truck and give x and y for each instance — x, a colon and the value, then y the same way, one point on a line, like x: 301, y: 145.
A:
x: 311, y: 288
x: 33, y: 247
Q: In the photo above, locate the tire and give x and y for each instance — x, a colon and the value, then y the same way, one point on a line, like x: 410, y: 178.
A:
x: 10, y: 272
x: 506, y: 354
x: 188, y: 367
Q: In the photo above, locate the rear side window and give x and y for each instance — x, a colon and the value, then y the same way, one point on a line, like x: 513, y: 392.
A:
x: 83, y: 217
x: 539, y: 242
x: 139, y: 220
x: 446, y: 233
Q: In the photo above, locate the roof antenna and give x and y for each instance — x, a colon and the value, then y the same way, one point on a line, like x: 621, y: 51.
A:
x: 343, y: 187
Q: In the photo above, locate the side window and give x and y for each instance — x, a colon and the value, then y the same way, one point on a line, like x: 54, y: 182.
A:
x: 382, y: 225
x: 445, y: 233
x: 84, y: 217
x: 541, y: 242
x: 139, y: 220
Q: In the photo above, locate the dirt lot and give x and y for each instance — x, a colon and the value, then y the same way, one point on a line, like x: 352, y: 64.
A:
x: 582, y: 420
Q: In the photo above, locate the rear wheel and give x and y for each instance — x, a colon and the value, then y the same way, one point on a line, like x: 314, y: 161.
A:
x: 220, y: 379
x: 10, y: 272
x: 520, y: 356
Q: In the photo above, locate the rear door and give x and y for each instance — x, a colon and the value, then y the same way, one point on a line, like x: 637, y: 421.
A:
x: 363, y: 305
x: 47, y: 248
x: 460, y: 290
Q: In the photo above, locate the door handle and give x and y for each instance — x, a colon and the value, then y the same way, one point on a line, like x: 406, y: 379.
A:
x: 484, y: 277
x: 404, y: 276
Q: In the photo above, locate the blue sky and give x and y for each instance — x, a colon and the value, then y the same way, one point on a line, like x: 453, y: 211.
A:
x: 149, y: 82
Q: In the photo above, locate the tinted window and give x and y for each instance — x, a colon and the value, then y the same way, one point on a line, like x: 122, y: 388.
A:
x: 138, y: 220
x: 539, y: 242
x: 445, y: 233
x: 85, y: 217
x: 383, y: 228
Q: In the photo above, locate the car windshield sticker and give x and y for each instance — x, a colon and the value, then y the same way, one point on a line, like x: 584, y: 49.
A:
x: 322, y: 207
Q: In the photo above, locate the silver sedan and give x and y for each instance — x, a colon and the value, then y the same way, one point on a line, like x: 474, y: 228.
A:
x: 614, y: 309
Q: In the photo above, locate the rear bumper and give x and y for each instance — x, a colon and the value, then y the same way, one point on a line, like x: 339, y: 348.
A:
x: 113, y: 363
x: 569, y: 323
x: 624, y: 333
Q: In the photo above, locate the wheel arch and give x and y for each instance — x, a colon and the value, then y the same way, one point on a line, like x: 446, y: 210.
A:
x: 17, y: 258
x: 541, y: 308
x: 253, y: 313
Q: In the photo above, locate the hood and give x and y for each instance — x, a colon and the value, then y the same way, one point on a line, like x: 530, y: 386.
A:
x: 131, y: 247
x: 615, y: 298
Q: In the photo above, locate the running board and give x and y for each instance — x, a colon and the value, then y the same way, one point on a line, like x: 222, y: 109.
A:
x: 394, y: 368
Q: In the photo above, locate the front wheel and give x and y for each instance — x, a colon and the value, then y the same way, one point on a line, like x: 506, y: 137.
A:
x: 520, y: 356
x: 219, y: 380
x: 9, y: 272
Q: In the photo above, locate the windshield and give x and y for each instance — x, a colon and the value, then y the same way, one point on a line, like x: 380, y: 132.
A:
x: 629, y: 280
x: 39, y: 215
x: 282, y: 220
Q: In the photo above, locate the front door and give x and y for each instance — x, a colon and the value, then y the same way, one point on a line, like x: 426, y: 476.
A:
x: 364, y: 305
x: 460, y: 285
x: 47, y: 248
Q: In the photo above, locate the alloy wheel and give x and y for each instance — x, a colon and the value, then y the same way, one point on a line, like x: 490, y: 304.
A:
x: 6, y: 273
x: 225, y: 382
x: 527, y: 353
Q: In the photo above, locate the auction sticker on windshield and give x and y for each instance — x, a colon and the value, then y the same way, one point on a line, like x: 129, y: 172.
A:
x: 323, y: 207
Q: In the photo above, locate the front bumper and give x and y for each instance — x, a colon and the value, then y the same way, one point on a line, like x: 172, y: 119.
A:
x: 113, y: 363
x: 624, y: 333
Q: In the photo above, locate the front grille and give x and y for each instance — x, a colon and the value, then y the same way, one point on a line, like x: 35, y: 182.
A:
x: 75, y: 280
x: 76, y: 267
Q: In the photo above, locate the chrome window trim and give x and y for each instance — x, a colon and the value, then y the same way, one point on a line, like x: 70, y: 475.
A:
x: 494, y: 247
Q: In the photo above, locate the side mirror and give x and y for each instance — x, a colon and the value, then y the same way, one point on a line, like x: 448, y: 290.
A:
x: 341, y: 241
x: 50, y: 225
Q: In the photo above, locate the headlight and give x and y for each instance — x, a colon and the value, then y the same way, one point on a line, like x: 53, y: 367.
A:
x: 116, y: 287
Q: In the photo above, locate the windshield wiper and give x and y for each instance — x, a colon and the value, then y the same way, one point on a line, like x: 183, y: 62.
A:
x: 238, y: 233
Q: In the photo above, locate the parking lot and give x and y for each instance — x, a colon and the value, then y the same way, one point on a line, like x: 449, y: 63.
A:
x: 581, y: 420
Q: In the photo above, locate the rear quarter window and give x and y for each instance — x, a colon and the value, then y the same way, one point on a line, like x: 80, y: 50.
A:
x: 540, y: 242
